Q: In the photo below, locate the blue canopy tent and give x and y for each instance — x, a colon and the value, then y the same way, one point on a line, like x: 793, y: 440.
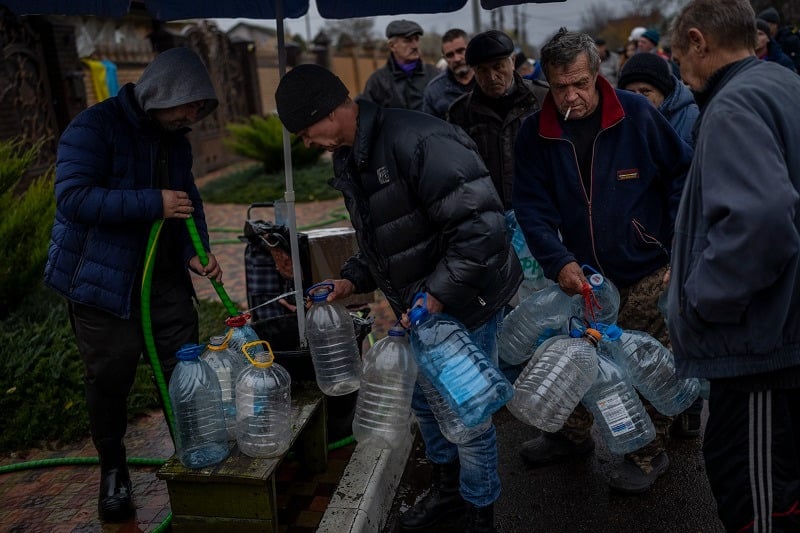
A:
x: 276, y: 10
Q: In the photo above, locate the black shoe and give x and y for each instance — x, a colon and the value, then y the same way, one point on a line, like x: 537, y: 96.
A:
x: 631, y: 479
x: 687, y: 424
x: 480, y: 519
x: 442, y: 501
x: 552, y: 448
x: 115, y: 503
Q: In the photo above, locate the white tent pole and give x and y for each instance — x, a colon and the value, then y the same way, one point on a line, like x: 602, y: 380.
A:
x: 289, y: 194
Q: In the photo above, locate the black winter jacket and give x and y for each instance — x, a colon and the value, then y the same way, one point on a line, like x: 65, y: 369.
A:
x: 426, y: 215
x: 495, y: 137
x: 390, y: 86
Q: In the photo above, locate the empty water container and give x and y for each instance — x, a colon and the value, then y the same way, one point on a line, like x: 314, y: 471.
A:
x: 617, y: 409
x: 332, y: 343
x: 532, y: 274
x: 599, y: 302
x: 652, y: 369
x: 201, y: 438
x: 550, y: 387
x: 538, y: 317
x: 383, y: 410
x: 239, y: 333
x: 226, y: 364
x: 464, y: 375
x: 263, y: 404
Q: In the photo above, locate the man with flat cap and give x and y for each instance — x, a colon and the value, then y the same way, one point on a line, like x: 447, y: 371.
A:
x: 427, y: 219
x: 401, y: 83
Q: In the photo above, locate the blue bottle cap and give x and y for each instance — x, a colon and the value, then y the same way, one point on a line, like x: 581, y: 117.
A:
x: 612, y: 332
x: 397, y: 331
x: 596, y: 280
x: 187, y: 352
x: 417, y: 315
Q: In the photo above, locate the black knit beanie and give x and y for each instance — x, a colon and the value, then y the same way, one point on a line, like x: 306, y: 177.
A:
x: 649, y: 68
x: 306, y: 94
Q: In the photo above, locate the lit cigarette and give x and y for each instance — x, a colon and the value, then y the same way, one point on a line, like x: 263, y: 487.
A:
x: 566, y: 115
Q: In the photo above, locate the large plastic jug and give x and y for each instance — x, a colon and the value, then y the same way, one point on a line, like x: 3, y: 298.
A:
x: 599, y: 301
x: 239, y: 333
x: 452, y: 426
x: 332, y: 342
x: 263, y: 404
x: 456, y: 366
x: 201, y: 438
x: 538, y: 317
x: 617, y: 409
x: 652, y: 369
x: 226, y: 364
x: 550, y: 387
x: 383, y: 410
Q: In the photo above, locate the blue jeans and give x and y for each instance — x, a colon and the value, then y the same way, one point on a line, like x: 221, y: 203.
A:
x: 479, y: 481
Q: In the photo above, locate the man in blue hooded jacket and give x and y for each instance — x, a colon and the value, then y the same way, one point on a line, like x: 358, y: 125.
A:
x: 122, y: 165
x: 734, y: 293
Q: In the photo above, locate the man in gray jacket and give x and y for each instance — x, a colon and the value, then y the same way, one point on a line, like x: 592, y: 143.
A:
x: 424, y: 223
x: 734, y: 296
x: 401, y: 83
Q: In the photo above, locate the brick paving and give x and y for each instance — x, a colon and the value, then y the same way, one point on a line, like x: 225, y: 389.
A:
x: 64, y: 498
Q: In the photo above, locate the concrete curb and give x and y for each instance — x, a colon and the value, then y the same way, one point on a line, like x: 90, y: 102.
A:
x: 365, y: 493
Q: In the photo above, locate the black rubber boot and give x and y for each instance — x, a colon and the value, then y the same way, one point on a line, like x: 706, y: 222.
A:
x: 115, y: 502
x: 480, y: 519
x: 442, y: 501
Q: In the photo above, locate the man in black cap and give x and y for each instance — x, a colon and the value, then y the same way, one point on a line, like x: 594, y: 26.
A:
x: 768, y: 49
x: 785, y: 36
x: 427, y: 219
x: 401, y: 83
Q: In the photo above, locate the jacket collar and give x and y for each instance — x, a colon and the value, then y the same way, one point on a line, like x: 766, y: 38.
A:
x: 719, y: 78
x: 369, y: 115
x: 611, y: 111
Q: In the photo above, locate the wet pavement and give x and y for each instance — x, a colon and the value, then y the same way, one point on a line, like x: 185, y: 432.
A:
x: 574, y: 497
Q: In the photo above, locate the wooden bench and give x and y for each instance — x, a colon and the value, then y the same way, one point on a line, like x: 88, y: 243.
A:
x: 239, y: 494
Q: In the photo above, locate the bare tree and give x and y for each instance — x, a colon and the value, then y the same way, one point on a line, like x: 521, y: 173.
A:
x: 596, y: 18
x: 357, y: 31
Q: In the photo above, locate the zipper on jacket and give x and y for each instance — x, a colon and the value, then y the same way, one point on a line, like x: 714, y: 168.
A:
x: 647, y: 238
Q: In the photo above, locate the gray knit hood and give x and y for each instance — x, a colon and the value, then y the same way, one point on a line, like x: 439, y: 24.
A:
x: 175, y: 77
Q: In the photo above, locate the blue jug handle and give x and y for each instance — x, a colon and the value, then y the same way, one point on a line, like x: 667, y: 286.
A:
x: 424, y: 296
x: 577, y: 331
x: 590, y: 268
x: 330, y: 286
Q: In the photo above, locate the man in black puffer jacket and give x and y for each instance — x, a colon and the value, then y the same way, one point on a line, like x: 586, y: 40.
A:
x: 427, y: 219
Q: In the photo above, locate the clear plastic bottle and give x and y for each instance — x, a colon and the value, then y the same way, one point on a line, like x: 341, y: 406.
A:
x: 652, y: 369
x: 263, y: 404
x: 532, y: 274
x: 453, y: 428
x: 226, y: 364
x: 603, y: 300
x: 201, y: 438
x: 464, y: 375
x: 239, y: 333
x: 617, y: 409
x: 550, y: 387
x: 538, y: 317
x: 332, y: 342
x: 383, y: 411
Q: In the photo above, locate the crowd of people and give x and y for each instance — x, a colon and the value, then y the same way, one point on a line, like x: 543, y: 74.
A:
x: 665, y: 168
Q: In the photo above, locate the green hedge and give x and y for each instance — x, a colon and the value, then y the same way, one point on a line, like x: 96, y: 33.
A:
x: 261, y: 138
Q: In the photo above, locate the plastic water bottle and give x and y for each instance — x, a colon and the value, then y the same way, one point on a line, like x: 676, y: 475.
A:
x: 532, y: 273
x: 550, y: 387
x: 201, y: 437
x: 538, y: 317
x: 600, y: 301
x: 464, y: 375
x: 332, y: 342
x: 263, y: 405
x: 620, y: 415
x: 226, y: 364
x: 452, y: 426
x: 239, y: 333
x: 383, y: 410
x: 652, y: 369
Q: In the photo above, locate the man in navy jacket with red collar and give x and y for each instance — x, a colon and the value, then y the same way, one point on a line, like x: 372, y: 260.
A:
x: 598, y: 177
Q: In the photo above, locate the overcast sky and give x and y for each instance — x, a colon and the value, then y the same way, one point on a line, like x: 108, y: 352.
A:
x: 541, y: 20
